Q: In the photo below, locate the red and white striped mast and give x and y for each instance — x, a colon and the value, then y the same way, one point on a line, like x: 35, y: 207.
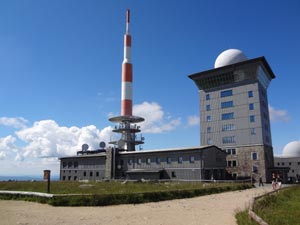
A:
x: 126, y: 104
x: 126, y: 120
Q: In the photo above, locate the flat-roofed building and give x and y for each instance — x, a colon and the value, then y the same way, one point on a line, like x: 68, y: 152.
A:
x: 234, y: 112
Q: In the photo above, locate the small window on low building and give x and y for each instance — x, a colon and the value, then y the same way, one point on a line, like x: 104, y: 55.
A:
x: 169, y: 160
x: 139, y: 161
x: 157, y: 160
x: 148, y: 160
x: 64, y: 164
x: 69, y: 164
x: 180, y: 159
x: 192, y: 159
x: 84, y: 173
x: 97, y: 174
x: 173, y: 174
x: 91, y: 174
x: 75, y: 178
x: 75, y: 164
x: 130, y: 161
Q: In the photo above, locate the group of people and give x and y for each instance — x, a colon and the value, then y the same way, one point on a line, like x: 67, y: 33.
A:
x: 276, y: 181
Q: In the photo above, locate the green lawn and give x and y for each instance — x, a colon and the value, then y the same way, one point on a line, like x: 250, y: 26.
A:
x: 280, y: 209
x: 114, y: 187
x: 112, y: 193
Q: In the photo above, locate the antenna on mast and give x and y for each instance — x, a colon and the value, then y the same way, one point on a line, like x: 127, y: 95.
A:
x: 127, y: 20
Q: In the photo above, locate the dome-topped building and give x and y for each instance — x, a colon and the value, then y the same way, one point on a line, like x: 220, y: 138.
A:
x: 292, y: 149
x: 230, y: 56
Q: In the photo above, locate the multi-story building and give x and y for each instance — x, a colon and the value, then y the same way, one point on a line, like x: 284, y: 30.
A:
x: 197, y: 163
x: 234, y: 112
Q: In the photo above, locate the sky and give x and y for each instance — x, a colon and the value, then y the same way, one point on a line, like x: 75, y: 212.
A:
x: 60, y: 71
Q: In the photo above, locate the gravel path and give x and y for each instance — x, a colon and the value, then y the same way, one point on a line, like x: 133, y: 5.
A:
x: 213, y: 209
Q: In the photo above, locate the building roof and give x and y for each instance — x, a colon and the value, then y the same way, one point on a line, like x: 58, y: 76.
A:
x: 102, y: 154
x: 171, y: 150
x: 230, y: 74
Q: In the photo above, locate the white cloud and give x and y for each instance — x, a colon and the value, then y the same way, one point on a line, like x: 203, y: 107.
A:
x: 155, y: 120
x: 47, y: 139
x: 16, y: 122
x: 7, y: 144
x: 193, y: 120
x: 2, y: 155
x: 278, y: 115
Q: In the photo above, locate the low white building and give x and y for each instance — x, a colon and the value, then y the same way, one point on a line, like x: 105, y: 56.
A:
x: 290, y: 158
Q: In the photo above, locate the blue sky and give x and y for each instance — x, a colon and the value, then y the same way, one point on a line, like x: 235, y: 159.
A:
x: 60, y: 70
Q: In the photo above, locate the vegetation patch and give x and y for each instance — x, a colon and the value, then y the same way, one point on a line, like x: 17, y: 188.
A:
x: 282, y: 208
x: 113, y: 193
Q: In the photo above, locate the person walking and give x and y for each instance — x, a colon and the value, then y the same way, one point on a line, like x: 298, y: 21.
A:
x: 260, y: 181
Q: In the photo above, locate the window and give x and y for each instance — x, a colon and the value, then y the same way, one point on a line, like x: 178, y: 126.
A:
x: 180, y: 159
x: 226, y: 93
x: 290, y: 163
x: 253, y: 131
x: 173, y: 174
x: 84, y: 173
x: 70, y: 164
x: 250, y: 94
x: 75, y: 178
x: 169, y: 160
x: 231, y: 163
x: 208, y: 118
x: 226, y: 104
x: 208, y: 129
x: 252, y: 119
x: 231, y: 151
x: 254, y: 169
x: 227, y: 127
x: 64, y: 164
x: 192, y: 159
x: 148, y: 160
x: 97, y: 174
x: 207, y: 97
x: 282, y: 163
x: 130, y: 161
x: 139, y: 161
x: 209, y: 141
x: 227, y: 116
x: 228, y: 140
x: 251, y: 106
x: 207, y: 107
x: 75, y: 164
x: 254, y: 155
x: 91, y: 174
x: 157, y: 160
x: 278, y: 164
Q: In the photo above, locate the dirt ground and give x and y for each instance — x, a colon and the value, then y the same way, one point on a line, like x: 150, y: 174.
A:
x: 217, y: 209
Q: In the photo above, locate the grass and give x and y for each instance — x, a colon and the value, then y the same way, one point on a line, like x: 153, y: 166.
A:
x: 280, y: 209
x: 112, y: 193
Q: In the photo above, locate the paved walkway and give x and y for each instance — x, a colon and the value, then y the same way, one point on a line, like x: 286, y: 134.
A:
x: 213, y: 209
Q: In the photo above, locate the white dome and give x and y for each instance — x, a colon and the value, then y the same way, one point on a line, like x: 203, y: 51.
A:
x: 292, y: 149
x: 229, y: 57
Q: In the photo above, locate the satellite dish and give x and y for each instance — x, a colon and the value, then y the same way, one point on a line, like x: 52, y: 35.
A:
x: 102, y: 144
x: 85, y: 147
